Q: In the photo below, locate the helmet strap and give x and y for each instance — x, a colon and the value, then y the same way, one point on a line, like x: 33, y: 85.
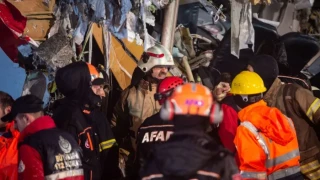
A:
x: 246, y: 100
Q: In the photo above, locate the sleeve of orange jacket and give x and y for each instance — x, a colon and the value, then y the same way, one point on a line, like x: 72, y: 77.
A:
x: 309, y: 104
x: 251, y: 155
x: 30, y: 164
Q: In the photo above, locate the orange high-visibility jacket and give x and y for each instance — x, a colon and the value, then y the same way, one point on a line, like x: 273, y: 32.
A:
x: 9, y: 154
x: 266, y: 142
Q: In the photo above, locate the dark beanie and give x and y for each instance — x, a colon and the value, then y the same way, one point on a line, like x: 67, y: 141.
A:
x: 267, y: 68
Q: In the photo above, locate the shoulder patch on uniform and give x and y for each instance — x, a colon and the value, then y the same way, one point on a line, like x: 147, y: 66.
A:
x: 65, y: 145
x: 21, y: 167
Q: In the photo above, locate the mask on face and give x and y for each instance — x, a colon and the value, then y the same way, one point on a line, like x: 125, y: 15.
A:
x: 245, y: 100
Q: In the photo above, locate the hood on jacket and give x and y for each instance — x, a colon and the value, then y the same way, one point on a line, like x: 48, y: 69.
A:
x: 74, y: 82
x: 186, y: 153
x: 270, y: 121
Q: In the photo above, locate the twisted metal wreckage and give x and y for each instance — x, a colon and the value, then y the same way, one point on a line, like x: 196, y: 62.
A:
x: 44, y: 35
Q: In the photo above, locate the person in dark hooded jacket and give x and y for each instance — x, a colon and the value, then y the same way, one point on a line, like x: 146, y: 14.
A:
x: 190, y: 153
x: 79, y: 113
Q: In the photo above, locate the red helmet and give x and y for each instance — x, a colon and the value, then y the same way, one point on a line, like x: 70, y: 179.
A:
x: 166, y: 86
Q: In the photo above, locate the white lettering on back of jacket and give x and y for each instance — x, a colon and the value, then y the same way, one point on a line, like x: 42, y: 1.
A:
x: 155, y: 136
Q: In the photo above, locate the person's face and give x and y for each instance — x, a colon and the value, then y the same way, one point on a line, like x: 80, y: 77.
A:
x: 3, y: 112
x: 160, y: 72
x: 22, y: 121
x: 98, y: 90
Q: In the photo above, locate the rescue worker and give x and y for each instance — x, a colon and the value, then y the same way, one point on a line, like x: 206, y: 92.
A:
x: 45, y: 152
x: 154, y: 130
x: 8, y: 141
x: 301, y: 106
x: 79, y: 113
x: 137, y: 103
x: 190, y: 153
x: 266, y: 141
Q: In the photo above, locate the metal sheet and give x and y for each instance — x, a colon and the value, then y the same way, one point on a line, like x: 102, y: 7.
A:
x: 313, y: 66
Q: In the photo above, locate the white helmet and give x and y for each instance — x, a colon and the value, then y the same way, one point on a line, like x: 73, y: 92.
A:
x: 156, y: 55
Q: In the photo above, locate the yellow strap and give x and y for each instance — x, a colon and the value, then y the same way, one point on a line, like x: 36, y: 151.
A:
x: 106, y: 144
x: 123, y: 151
x: 314, y: 175
x: 313, y: 108
x: 310, y: 167
x: 52, y: 87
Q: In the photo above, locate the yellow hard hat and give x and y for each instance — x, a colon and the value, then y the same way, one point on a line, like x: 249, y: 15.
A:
x: 247, y: 83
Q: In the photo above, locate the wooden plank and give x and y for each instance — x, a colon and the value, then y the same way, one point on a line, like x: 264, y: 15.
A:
x: 28, y: 7
x: 38, y: 29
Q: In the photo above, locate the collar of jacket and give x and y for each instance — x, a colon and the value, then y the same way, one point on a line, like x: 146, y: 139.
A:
x: 42, y: 123
x: 145, y: 85
x: 270, y: 96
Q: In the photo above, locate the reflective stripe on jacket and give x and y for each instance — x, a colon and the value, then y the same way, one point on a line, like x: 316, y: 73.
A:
x: 266, y: 143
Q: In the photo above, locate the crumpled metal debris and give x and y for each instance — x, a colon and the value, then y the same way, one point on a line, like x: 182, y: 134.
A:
x: 144, y: 11
x: 132, y: 31
x: 183, y: 41
x: 74, y: 16
x: 98, y: 6
x: 35, y: 84
x: 203, y: 59
x: 62, y: 22
x: 80, y: 10
x: 55, y: 53
x: 242, y: 32
x: 149, y: 42
x: 25, y: 50
x: 116, y: 16
x: 303, y: 4
x: 80, y: 31
x: 160, y: 4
